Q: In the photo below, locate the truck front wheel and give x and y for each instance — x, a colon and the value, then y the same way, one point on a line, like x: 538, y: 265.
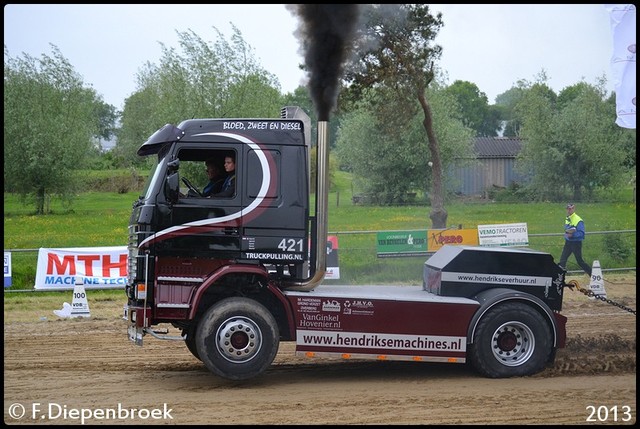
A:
x: 190, y: 342
x: 237, y: 338
x: 511, y: 340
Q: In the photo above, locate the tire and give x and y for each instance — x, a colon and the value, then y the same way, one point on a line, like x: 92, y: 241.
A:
x: 237, y: 338
x: 511, y: 340
x: 190, y: 342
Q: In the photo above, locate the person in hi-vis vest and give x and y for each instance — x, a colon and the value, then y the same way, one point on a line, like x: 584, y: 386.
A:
x: 574, y: 233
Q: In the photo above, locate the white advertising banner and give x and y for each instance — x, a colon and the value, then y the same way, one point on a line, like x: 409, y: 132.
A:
x: 100, y: 268
x: 623, y: 62
x: 505, y: 235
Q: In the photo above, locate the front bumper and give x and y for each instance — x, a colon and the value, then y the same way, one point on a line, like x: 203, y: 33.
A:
x: 135, y: 318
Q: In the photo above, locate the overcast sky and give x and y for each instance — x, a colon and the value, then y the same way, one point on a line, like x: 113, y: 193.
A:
x: 492, y: 46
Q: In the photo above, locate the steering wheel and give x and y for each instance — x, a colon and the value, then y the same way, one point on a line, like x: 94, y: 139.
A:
x: 190, y: 186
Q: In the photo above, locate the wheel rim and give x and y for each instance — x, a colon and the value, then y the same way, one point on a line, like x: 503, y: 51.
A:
x: 513, y: 343
x: 238, y: 339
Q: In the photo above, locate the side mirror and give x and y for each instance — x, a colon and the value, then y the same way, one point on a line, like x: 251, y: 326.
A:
x: 172, y: 188
x: 173, y: 166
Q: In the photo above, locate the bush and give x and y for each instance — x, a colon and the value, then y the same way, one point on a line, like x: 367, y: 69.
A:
x: 513, y: 193
x: 616, y: 247
x: 121, y: 182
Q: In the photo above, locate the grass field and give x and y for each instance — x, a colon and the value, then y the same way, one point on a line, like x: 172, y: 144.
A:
x: 101, y: 219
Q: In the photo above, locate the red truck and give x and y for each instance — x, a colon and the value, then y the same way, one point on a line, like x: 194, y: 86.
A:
x: 238, y: 275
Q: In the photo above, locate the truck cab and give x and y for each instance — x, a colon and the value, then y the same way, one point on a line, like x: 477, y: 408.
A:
x: 187, y: 251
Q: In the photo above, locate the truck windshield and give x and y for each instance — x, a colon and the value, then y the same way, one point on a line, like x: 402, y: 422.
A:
x: 154, y: 177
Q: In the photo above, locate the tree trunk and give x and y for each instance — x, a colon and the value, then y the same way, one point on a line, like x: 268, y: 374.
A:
x: 577, y: 193
x: 438, y: 213
x: 40, y: 199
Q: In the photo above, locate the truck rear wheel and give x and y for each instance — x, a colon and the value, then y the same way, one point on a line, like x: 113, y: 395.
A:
x: 511, y: 340
x: 237, y: 338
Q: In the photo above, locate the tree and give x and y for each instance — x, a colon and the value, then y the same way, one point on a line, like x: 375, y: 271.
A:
x: 627, y: 140
x: 506, y: 103
x: 136, y: 126
x: 387, y: 166
x: 475, y: 111
x: 394, y: 50
x: 51, y: 121
x: 204, y: 80
x: 107, y: 116
x: 573, y: 147
x: 570, y: 93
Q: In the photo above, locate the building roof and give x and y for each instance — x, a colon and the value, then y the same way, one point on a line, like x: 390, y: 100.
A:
x: 497, y: 147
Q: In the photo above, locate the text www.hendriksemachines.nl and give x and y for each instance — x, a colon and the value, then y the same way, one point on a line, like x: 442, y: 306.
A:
x: 405, y: 342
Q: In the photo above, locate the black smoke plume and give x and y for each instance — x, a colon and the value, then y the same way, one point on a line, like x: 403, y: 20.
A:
x: 325, y: 33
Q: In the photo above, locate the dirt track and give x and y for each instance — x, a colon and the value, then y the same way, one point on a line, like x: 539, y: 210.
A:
x: 71, y: 364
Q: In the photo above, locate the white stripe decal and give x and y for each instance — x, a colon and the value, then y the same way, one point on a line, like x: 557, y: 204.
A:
x: 262, y: 193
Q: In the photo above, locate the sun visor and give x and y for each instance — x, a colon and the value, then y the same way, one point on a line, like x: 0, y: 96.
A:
x: 167, y: 134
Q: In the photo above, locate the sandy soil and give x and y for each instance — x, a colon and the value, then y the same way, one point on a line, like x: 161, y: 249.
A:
x: 55, y: 370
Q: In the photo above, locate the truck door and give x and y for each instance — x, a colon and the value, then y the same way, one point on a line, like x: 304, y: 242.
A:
x: 206, y: 224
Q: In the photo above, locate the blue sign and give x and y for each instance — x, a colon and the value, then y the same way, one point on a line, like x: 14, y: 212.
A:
x: 7, y: 269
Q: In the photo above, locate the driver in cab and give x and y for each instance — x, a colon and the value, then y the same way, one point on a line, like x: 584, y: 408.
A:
x: 216, y: 176
x: 229, y: 183
x: 220, y: 184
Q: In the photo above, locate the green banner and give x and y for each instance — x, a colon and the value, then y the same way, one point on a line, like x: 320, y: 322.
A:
x: 402, y: 243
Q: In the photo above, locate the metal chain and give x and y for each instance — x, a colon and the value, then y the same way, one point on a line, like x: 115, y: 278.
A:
x: 589, y: 293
